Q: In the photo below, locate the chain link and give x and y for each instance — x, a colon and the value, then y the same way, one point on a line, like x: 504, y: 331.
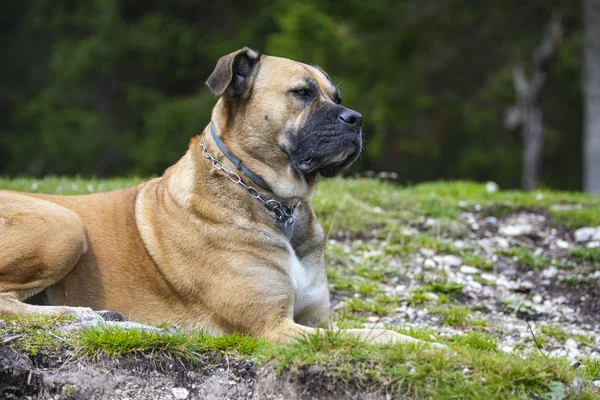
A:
x: 283, y: 212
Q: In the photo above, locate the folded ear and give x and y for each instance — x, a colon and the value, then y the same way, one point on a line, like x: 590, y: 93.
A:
x: 233, y: 73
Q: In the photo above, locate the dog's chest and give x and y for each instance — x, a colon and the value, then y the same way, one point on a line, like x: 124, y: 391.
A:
x: 310, y: 290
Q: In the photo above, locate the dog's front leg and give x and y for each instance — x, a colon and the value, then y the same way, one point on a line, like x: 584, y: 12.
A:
x: 287, y: 331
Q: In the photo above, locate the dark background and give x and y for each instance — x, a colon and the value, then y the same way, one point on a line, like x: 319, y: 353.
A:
x: 116, y: 87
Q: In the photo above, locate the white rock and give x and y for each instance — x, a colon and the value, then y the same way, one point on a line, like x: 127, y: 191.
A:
x: 429, y: 263
x: 540, y: 196
x: 491, y: 220
x: 427, y: 252
x: 467, y: 269
x: 516, y: 230
x: 180, y: 393
x: 596, y: 384
x: 462, y: 204
x: 409, y: 231
x: 430, y: 222
x: 502, y: 242
x: 492, y: 187
x: 451, y: 260
x: 562, y: 244
x: 596, y: 235
x: 585, y: 234
x: 550, y: 272
x: 537, y: 299
x: 571, y: 343
x: 592, y: 245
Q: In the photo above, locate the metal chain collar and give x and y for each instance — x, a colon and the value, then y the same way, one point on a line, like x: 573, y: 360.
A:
x: 284, y: 213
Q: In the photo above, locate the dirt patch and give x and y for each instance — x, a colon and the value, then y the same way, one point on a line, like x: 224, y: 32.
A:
x: 61, y: 376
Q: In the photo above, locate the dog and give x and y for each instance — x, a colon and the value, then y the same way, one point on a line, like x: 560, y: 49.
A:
x: 225, y: 240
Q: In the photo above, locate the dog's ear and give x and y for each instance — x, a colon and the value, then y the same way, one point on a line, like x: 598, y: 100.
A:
x: 233, y: 73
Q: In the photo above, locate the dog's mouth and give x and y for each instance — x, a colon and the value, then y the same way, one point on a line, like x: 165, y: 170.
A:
x: 329, y: 160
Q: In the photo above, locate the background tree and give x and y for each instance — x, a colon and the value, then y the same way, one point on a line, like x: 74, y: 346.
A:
x: 107, y: 87
x: 527, y: 115
x: 591, y: 88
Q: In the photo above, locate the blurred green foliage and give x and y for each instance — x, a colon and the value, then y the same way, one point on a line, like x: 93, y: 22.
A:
x: 113, y: 87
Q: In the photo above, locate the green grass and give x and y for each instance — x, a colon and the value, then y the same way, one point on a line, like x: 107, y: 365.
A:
x: 472, y: 370
x: 36, y: 334
x: 475, y: 368
x: 527, y: 258
x: 555, y: 331
x: 116, y: 342
x: 590, y: 255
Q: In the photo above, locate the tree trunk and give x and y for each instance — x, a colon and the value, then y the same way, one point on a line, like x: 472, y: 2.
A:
x: 591, y: 90
x: 533, y: 140
x: 527, y: 113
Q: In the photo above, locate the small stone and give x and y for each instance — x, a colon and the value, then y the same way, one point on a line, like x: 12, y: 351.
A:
x: 451, y: 260
x: 467, y: 269
x: 462, y: 204
x: 539, y: 196
x: 502, y: 242
x: 516, y: 230
x: 592, y: 245
x: 491, y: 187
x: 596, y: 384
x: 429, y: 263
x: 427, y: 252
x: 571, y: 343
x: 180, y: 393
x: 562, y: 244
x: 596, y: 235
x: 491, y: 220
x: 584, y: 234
x: 409, y: 231
x: 537, y: 299
x: 430, y: 222
x: 550, y: 272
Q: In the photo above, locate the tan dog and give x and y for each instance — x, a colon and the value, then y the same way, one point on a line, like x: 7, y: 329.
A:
x: 193, y: 247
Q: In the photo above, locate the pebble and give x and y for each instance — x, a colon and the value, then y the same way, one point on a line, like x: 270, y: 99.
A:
x: 491, y: 220
x: 180, y: 393
x: 429, y: 263
x: 550, y: 272
x: 585, y: 234
x: 562, y: 244
x: 596, y: 384
x: 492, y: 187
x: 427, y: 252
x: 593, y: 245
x: 452, y: 261
x: 516, y: 230
x: 467, y: 269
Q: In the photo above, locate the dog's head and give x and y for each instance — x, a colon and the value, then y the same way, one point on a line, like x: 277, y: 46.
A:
x: 286, y: 114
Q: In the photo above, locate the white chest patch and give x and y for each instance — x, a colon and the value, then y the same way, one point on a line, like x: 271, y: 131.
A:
x: 309, y: 292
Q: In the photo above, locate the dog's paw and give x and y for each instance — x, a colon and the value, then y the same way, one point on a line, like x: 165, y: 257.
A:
x: 111, y: 316
x: 384, y: 336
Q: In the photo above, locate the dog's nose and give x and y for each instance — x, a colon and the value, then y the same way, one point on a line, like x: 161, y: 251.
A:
x: 351, y: 117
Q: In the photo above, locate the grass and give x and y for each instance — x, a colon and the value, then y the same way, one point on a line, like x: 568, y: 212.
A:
x: 527, y: 258
x: 35, y: 334
x: 406, y: 222
x: 116, y: 342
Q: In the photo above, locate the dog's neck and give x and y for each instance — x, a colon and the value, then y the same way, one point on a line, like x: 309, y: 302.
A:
x: 283, y: 183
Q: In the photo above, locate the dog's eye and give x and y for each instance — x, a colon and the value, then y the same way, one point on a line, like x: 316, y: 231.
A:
x: 303, y: 93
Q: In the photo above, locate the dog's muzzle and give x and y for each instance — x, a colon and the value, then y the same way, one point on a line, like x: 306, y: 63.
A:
x: 330, y: 141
